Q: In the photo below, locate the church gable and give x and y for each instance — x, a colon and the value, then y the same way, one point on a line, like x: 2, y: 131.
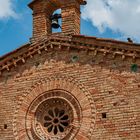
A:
x: 92, y: 45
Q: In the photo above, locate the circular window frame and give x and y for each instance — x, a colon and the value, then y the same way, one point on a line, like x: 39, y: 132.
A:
x: 36, y: 132
x: 50, y: 106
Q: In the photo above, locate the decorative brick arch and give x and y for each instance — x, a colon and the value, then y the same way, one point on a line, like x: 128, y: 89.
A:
x: 65, y: 89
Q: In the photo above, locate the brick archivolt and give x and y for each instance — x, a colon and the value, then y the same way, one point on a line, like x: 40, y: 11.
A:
x: 70, y: 90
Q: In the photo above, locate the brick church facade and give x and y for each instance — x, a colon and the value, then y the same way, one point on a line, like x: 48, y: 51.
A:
x: 67, y: 86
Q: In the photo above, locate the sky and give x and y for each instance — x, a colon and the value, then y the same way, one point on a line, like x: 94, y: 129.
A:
x: 115, y: 19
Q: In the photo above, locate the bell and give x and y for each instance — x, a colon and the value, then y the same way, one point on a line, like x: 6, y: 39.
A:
x: 55, y: 24
x: 54, y: 19
x: 84, y: 2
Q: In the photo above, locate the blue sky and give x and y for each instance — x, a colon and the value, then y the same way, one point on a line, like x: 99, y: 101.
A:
x: 16, y: 31
x: 101, y: 18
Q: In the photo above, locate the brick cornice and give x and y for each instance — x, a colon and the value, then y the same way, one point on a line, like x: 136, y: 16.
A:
x: 31, y: 3
x: 104, y: 46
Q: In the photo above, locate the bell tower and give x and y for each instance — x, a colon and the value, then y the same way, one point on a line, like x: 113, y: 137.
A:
x: 42, y: 16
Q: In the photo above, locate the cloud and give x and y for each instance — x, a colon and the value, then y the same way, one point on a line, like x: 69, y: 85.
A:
x: 118, y: 15
x: 6, y: 9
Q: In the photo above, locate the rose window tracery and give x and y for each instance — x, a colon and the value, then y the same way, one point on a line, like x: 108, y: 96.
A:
x: 56, y: 121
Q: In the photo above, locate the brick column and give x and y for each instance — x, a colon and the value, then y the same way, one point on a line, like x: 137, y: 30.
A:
x: 71, y: 19
x: 42, y: 11
x: 41, y: 25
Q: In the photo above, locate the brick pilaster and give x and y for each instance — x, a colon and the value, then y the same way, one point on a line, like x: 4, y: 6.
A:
x: 41, y: 25
x: 71, y: 19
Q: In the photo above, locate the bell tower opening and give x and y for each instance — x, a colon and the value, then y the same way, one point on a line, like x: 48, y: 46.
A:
x: 44, y: 18
x: 56, y: 21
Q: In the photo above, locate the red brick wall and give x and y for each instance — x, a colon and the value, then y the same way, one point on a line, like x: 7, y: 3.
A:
x: 41, y: 25
x: 71, y: 20
x: 41, y: 20
x: 108, y: 83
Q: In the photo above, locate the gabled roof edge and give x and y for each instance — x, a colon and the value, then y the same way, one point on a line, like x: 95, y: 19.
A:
x: 79, y: 42
x: 14, y: 51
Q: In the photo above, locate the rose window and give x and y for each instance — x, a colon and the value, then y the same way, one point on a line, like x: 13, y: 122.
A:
x: 54, y: 117
x: 56, y: 121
